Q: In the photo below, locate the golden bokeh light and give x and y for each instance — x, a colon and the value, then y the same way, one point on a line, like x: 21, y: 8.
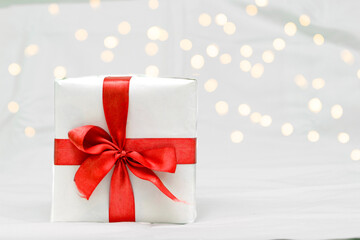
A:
x: 245, y: 65
x: 197, y: 61
x: 221, y: 19
x: 355, y: 155
x: 124, y: 28
x: 225, y: 58
x: 279, y: 44
x: 262, y: 3
x: 185, y: 44
x: 13, y: 107
x: 268, y: 56
x: 343, y: 137
x: 212, y: 50
x: 287, y: 129
x: 301, y: 81
x: 111, y: 42
x: 94, y: 3
x: 315, y: 105
x: 290, y: 29
x: 81, y: 35
x: 257, y: 70
x: 336, y: 111
x: 265, y: 121
x: 318, y: 83
x: 304, y: 20
x: 14, y: 69
x: 153, y: 4
x: 60, y: 72
x: 31, y: 50
x: 163, y: 35
x: 251, y: 10
x: 255, y: 117
x: 244, y: 109
x: 151, y: 49
x: 313, y: 136
x: 210, y: 85
x: 237, y: 137
x: 318, y: 39
x: 53, y: 9
x: 153, y: 33
x: 107, y: 56
x: 246, y: 51
x: 229, y: 28
x: 204, y: 20
x: 152, y: 71
x: 29, y: 132
x: 347, y: 56
x: 222, y: 108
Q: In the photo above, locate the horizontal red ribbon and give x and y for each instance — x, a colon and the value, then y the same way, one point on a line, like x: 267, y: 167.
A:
x: 185, y: 149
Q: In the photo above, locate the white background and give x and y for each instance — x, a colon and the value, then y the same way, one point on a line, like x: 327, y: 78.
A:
x: 267, y: 186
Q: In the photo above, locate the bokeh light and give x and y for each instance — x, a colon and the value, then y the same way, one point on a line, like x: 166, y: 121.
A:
x: 204, y: 20
x: 304, y: 20
x: 212, y: 50
x: 315, y: 105
x: 210, y: 85
x: 318, y: 83
x: 336, y: 111
x: 31, y: 50
x: 197, y: 61
x: 60, y: 72
x: 185, y: 44
x: 257, y: 70
x: 29, y: 132
x: 237, y: 137
x: 229, y: 28
x: 318, y: 39
x: 222, y: 108
x: 53, y: 9
x: 301, y: 81
x: 262, y: 3
x: 94, y: 3
x: 14, y: 69
x: 251, y: 10
x: 290, y: 28
x: 287, y: 129
x: 279, y: 44
x: 111, y: 42
x: 246, y: 51
x: 81, y: 34
x: 255, y: 117
x: 347, y: 56
x: 152, y: 71
x: 221, y: 19
x: 107, y: 56
x: 151, y: 49
x: 245, y: 65
x: 153, y: 33
x: 13, y: 107
x: 268, y: 56
x: 225, y: 58
x: 153, y: 4
x: 343, y: 137
x: 124, y: 28
x: 265, y: 121
x: 355, y: 155
x: 244, y: 109
x: 313, y: 136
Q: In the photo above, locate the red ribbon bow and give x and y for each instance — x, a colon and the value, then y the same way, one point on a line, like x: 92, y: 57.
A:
x: 106, y: 150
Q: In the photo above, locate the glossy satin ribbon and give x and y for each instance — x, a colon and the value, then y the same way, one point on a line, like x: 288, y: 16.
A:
x: 98, y: 152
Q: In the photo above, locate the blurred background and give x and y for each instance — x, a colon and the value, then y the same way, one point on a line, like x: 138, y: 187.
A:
x: 279, y: 108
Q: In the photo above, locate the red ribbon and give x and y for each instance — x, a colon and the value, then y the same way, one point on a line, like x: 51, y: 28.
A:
x: 103, y: 151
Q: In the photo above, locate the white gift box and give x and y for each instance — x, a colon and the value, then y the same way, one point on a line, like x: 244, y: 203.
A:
x: 158, y: 108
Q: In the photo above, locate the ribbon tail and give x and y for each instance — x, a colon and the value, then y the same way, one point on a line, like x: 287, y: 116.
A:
x: 122, y: 203
x: 149, y: 175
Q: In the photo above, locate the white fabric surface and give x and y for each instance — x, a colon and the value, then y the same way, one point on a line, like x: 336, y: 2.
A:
x: 268, y: 186
x: 158, y: 108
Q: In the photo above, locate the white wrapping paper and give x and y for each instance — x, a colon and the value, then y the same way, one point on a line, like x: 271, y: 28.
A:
x: 158, y: 108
